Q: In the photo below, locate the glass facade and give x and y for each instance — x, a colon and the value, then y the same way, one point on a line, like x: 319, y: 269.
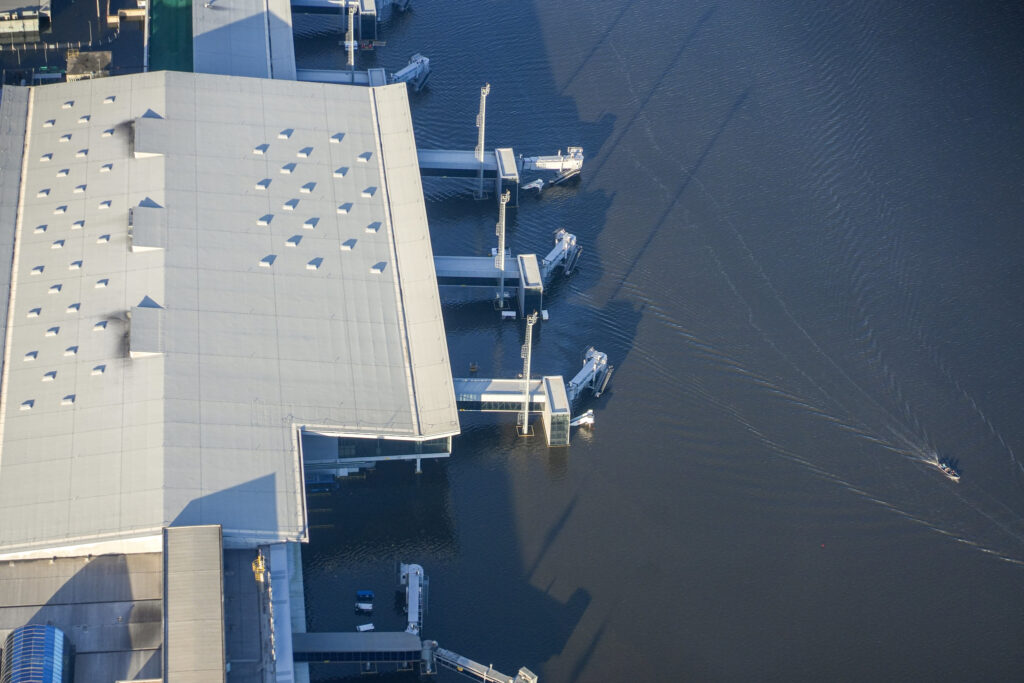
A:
x: 36, y: 653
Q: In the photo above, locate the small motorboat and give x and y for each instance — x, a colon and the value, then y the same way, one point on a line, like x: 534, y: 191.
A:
x: 946, y: 467
x: 363, y: 628
x: 537, y: 184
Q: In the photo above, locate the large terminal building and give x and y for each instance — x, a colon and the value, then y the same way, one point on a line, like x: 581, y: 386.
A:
x: 198, y: 273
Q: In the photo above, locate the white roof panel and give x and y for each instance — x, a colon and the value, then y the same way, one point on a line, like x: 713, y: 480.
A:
x: 242, y: 328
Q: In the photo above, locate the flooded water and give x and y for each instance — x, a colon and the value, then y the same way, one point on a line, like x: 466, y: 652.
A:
x: 801, y: 229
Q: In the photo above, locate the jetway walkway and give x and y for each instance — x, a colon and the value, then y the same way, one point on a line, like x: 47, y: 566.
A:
x: 501, y: 164
x: 415, y: 73
x: 477, y: 671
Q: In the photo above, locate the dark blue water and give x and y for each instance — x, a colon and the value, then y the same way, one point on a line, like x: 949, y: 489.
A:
x: 802, y: 224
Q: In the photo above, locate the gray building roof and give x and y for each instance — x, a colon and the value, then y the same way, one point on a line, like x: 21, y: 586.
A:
x: 193, y: 649
x: 281, y: 277
x: 109, y: 607
x: 243, y: 38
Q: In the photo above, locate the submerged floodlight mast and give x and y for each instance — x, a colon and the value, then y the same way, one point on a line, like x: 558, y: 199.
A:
x: 350, y: 37
x: 484, y: 92
x: 524, y: 419
x: 499, y: 255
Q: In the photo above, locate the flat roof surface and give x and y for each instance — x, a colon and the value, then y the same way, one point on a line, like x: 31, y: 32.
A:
x: 243, y: 38
x: 296, y: 288
x: 370, y: 641
x: 109, y: 607
x: 473, y: 266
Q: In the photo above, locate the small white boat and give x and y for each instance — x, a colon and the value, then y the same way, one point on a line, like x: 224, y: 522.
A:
x: 537, y: 184
x: 363, y: 628
x: 364, y: 606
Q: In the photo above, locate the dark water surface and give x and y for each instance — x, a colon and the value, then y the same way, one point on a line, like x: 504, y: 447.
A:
x: 802, y: 231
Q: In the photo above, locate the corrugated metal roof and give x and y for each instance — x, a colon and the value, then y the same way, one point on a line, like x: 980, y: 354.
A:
x: 193, y: 648
x: 252, y: 349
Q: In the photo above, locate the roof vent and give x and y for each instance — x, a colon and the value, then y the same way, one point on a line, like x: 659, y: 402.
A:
x: 268, y: 260
x: 109, y: 99
x: 100, y: 326
x: 337, y: 137
x: 40, y: 229
x: 105, y: 168
x: 73, y: 308
x: 263, y: 184
x: 78, y: 225
x: 31, y: 355
x: 293, y: 241
x: 68, y: 104
x: 60, y: 210
x: 311, y: 223
x: 285, y: 134
x: 34, y: 313
x: 345, y: 208
x: 38, y: 270
x: 46, y: 157
x: 75, y: 265
x: 49, y: 123
x: 364, y: 157
x: 288, y: 168
x: 68, y: 400
x: 149, y: 227
x: 315, y: 263
x: 83, y: 119
x: 50, y: 376
x: 63, y: 173
x: 102, y: 239
x: 66, y: 137
x: 99, y: 369
x: 82, y: 153
x: 304, y: 152
x: 369, y: 192
x: 373, y: 227
x: 265, y: 219
x: 27, y: 405
x: 340, y: 171
x: 100, y: 284
x: 308, y: 187
x: 79, y: 189
x: 105, y: 204
x: 348, y: 245
x: 71, y: 351
x: 107, y: 133
x: 45, y: 192
x: 290, y: 204
x: 260, y: 149
x: 57, y: 244
x: 378, y: 268
x: 146, y: 334
x: 55, y: 289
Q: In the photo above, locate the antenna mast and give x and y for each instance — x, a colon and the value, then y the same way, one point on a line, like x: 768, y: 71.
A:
x: 484, y: 92
x: 524, y: 419
x: 499, y: 255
